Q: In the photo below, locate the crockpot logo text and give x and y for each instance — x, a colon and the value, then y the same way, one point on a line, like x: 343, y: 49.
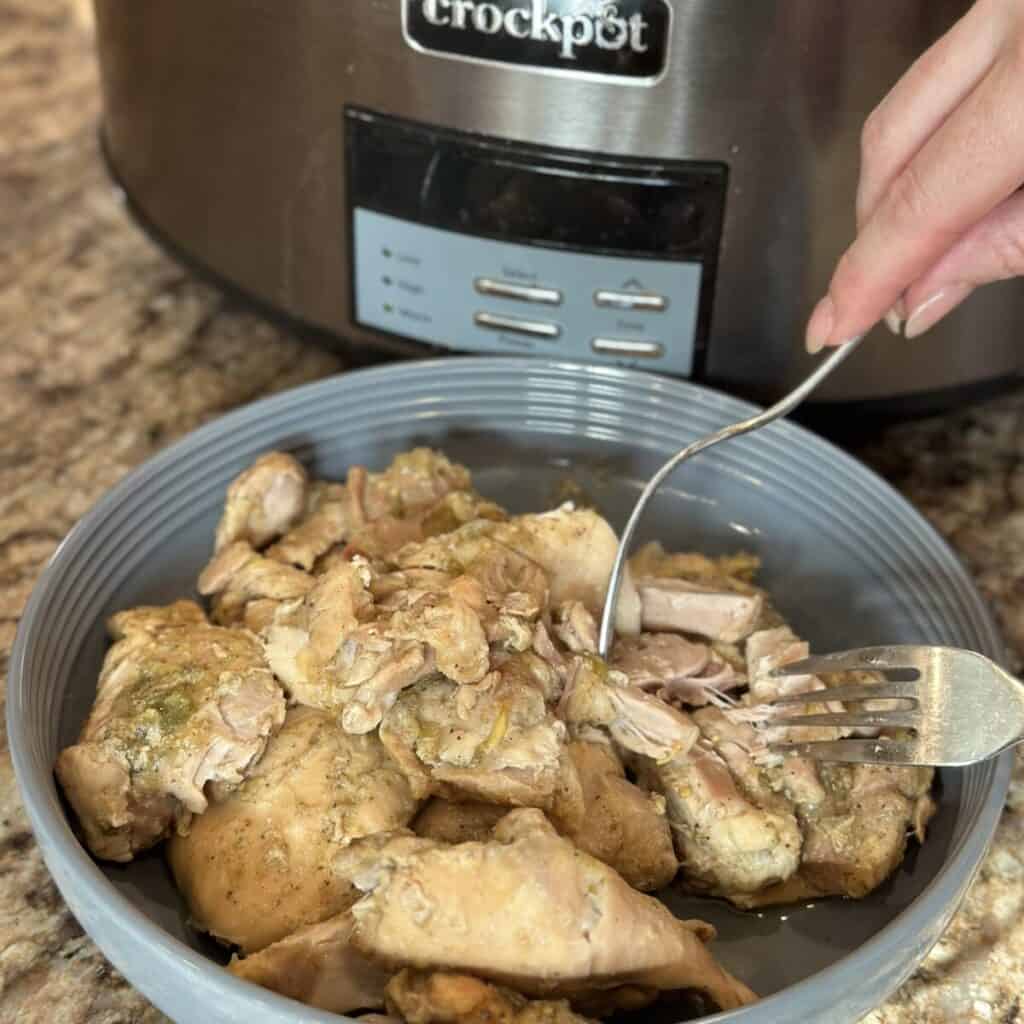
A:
x: 624, y: 38
x: 607, y: 30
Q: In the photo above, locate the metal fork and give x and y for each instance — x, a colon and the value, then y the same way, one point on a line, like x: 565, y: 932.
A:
x: 963, y: 708
x: 782, y: 407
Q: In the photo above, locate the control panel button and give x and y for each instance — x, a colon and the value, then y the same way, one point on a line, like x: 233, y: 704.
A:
x: 637, y: 302
x: 517, y: 325
x: 522, y: 292
x: 630, y: 349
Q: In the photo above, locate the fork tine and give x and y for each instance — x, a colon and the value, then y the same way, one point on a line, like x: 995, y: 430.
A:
x: 906, y: 689
x: 907, y: 752
x: 881, y: 719
x: 864, y: 659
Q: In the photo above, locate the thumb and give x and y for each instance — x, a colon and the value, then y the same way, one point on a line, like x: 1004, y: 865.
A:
x: 993, y: 250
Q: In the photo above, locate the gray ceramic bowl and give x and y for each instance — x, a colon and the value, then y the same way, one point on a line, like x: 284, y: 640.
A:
x: 848, y: 561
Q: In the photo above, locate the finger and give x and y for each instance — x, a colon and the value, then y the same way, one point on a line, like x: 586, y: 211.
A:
x: 973, y: 163
x: 993, y: 250
x: 934, y: 86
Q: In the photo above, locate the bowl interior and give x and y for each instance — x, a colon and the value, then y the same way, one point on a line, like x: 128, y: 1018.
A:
x: 846, y: 563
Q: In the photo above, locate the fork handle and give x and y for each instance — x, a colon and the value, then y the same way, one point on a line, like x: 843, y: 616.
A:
x: 784, y: 405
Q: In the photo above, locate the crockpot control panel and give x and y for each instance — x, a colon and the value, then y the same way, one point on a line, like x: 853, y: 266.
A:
x: 478, y: 245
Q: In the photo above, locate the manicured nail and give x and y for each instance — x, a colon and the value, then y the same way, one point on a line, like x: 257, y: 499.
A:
x: 819, y: 329
x: 894, y: 322
x: 928, y: 313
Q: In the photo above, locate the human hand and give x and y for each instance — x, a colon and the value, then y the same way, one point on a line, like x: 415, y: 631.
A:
x: 938, y: 207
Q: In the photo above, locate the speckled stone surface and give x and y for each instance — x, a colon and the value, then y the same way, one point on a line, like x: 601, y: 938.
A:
x: 108, y: 351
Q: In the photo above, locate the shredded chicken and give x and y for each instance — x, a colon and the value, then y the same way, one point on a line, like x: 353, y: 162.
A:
x: 677, y: 670
x: 501, y: 744
x: 374, y: 511
x: 638, y: 722
x: 339, y: 650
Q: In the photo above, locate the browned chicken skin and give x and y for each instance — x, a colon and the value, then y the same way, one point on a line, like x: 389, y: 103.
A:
x: 182, y: 710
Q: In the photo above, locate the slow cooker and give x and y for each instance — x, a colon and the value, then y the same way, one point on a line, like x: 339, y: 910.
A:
x: 656, y: 183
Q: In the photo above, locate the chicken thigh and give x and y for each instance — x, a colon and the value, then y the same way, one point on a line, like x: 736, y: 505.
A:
x: 530, y: 911
x: 258, y: 865
x: 497, y: 743
x: 621, y: 825
x: 576, y: 548
x: 371, y: 512
x: 263, y: 502
x: 183, y: 710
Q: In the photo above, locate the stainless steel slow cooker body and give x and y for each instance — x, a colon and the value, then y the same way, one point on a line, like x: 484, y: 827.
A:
x: 291, y: 147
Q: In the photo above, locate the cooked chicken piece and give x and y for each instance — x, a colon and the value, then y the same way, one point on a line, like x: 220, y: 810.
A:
x: 854, y: 820
x: 621, y: 825
x: 545, y: 648
x: 530, y: 669
x: 638, y: 722
x: 496, y: 742
x: 383, y: 537
x: 178, y: 709
x: 340, y: 651
x: 151, y: 619
x: 329, y: 517
x: 675, y: 669
x: 730, y: 572
x: 422, y: 997
x: 513, y: 589
x: 685, y: 607
x: 448, y: 822
x: 767, y: 650
x: 305, y: 638
x: 263, y: 502
x: 531, y: 911
x: 576, y: 548
x: 318, y: 966
x: 457, y: 508
x: 376, y: 512
x: 727, y: 843
x: 257, y: 865
x: 575, y: 627
x: 858, y: 836
x: 237, y: 575
x: 414, y: 479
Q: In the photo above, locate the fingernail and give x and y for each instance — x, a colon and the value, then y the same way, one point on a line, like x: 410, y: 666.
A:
x: 819, y: 328
x: 894, y: 322
x: 928, y: 313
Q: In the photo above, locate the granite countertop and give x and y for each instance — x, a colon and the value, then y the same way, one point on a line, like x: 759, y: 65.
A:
x: 108, y: 351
